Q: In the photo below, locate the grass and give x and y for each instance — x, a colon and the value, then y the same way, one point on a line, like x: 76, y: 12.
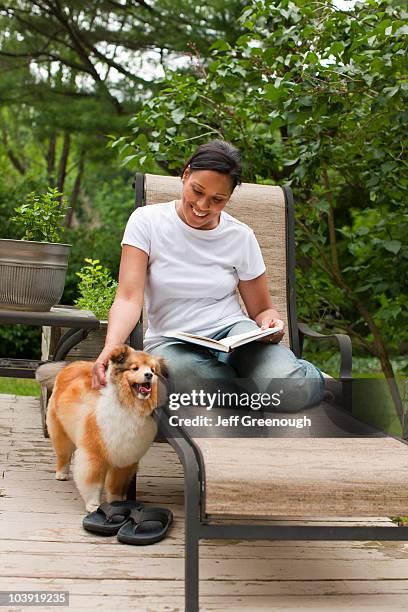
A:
x: 19, y: 386
x: 402, y: 521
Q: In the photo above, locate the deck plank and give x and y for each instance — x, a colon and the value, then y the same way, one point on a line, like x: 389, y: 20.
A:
x: 43, y: 545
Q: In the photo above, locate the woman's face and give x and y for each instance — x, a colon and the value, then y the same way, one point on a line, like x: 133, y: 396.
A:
x: 205, y: 193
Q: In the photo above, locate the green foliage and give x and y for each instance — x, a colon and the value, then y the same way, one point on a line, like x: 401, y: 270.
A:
x: 22, y: 341
x: 100, y: 227
x: 12, y: 193
x: 41, y: 217
x: 97, y: 289
x: 102, y: 243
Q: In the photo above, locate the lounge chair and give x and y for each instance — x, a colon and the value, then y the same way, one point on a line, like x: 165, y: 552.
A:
x: 339, y: 467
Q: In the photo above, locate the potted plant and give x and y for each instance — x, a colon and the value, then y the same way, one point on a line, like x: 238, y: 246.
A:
x: 96, y: 291
x: 33, y: 269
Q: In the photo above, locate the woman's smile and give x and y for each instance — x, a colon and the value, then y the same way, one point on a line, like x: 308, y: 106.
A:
x: 198, y: 218
x: 197, y: 212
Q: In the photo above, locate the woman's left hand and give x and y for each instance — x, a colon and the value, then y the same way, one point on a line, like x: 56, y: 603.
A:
x: 274, y: 338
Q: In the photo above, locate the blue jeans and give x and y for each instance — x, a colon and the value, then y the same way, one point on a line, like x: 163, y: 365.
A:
x: 253, y: 368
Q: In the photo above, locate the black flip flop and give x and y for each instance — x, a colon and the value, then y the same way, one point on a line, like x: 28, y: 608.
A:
x: 109, y: 517
x: 145, y: 526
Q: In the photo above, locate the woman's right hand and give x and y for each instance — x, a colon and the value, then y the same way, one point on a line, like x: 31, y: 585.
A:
x: 99, y: 368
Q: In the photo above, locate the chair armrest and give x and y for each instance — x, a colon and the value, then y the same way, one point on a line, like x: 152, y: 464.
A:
x: 344, y: 345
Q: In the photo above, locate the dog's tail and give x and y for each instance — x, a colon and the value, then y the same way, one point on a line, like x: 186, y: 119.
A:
x: 48, y: 372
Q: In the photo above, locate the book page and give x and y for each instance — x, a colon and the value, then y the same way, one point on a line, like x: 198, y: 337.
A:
x: 251, y: 335
x: 225, y: 344
x: 200, y: 340
x: 195, y: 336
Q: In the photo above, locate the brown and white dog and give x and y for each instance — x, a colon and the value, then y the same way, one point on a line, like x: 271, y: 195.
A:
x: 111, y: 428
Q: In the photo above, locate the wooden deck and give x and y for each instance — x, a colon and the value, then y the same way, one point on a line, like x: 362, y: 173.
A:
x: 43, y: 545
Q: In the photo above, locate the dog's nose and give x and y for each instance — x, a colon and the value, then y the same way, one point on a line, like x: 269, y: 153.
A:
x: 148, y: 375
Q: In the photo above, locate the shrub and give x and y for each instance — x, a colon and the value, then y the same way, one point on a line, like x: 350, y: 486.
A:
x: 41, y: 217
x: 97, y: 288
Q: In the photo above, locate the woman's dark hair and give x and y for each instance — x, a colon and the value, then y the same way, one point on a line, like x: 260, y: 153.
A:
x: 220, y: 156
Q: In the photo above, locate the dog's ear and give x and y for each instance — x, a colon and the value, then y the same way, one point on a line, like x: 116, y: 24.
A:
x: 162, y: 367
x: 119, y: 353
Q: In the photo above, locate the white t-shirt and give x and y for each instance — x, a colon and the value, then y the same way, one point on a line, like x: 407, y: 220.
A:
x: 192, y: 274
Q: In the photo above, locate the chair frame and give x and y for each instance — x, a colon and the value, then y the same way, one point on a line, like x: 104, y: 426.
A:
x: 198, y: 524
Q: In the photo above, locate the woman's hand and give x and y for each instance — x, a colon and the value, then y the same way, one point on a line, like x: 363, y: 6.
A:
x: 260, y: 308
x: 272, y: 322
x: 99, y: 368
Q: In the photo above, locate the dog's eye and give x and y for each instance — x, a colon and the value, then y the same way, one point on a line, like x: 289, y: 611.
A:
x: 135, y: 368
x: 152, y: 369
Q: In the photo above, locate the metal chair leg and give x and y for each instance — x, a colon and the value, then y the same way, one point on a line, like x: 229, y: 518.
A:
x: 192, y: 505
x: 191, y: 535
x: 191, y: 565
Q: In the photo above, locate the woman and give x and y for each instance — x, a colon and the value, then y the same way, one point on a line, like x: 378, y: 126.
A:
x: 188, y: 257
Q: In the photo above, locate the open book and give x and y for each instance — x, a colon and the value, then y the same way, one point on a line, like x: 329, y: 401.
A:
x: 225, y: 345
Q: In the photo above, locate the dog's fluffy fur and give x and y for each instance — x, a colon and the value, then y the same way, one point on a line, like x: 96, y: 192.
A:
x: 111, y: 428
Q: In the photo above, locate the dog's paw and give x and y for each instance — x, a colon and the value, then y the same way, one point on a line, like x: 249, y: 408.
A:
x: 61, y: 475
x: 91, y: 507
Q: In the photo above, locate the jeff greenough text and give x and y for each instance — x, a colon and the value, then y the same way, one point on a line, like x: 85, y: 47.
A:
x: 235, y: 420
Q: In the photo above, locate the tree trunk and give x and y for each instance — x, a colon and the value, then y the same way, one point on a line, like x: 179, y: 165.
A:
x: 75, y: 191
x: 51, y: 160
x: 62, y: 170
x: 17, y: 163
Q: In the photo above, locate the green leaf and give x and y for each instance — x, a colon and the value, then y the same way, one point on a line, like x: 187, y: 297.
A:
x: 142, y: 141
x: 272, y: 92
x: 220, y: 45
x: 390, y: 312
x: 311, y: 58
x: 364, y: 287
x: 213, y: 67
x: 362, y: 231
x: 277, y: 122
x: 306, y: 101
x: 178, y: 116
x: 128, y: 159
x: 391, y: 91
x: 118, y: 142
x: 337, y: 48
x: 392, y: 245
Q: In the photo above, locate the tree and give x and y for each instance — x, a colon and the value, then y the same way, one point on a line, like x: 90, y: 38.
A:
x: 74, y: 72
